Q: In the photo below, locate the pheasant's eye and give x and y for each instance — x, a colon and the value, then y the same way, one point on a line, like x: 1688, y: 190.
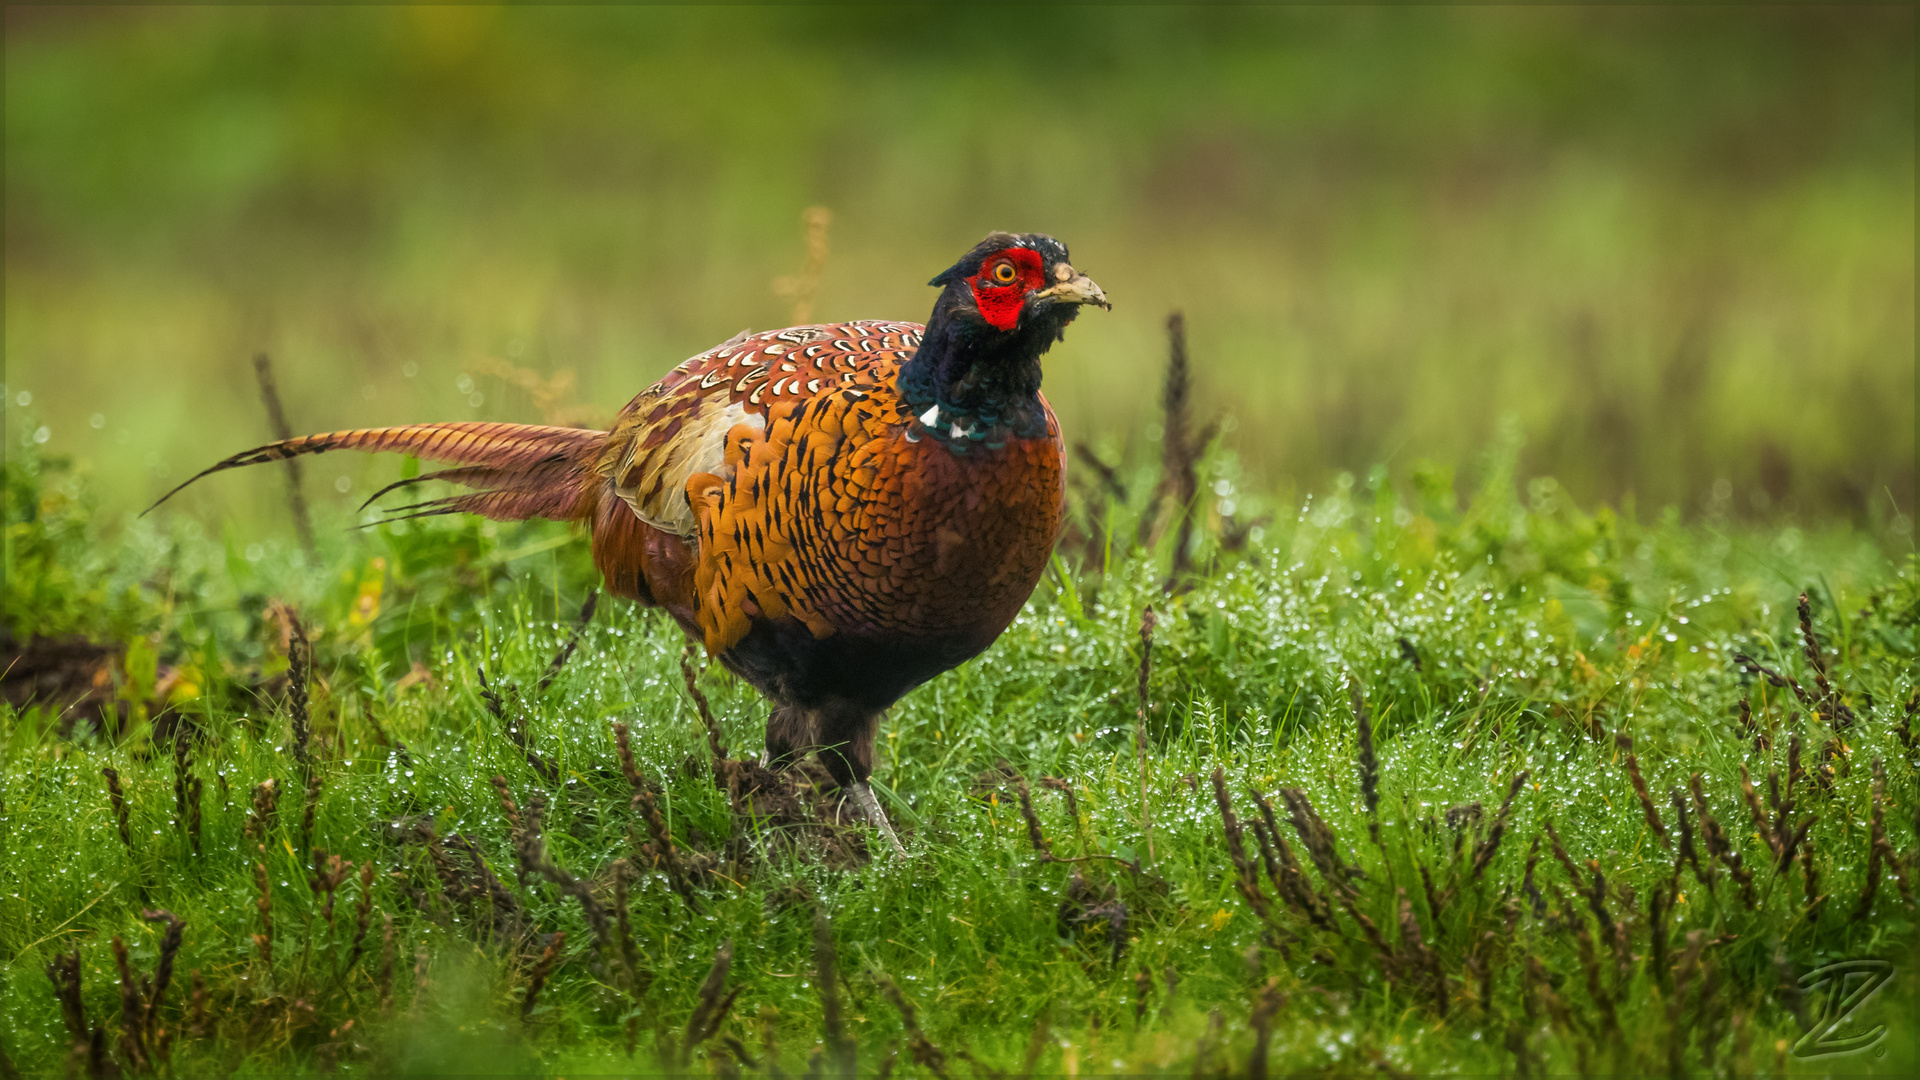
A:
x: 1005, y: 273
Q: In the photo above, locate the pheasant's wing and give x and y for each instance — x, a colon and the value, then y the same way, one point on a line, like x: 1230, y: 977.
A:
x: 677, y: 428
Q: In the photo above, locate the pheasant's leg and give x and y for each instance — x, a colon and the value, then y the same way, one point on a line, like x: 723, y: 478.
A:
x: 846, y: 748
x: 789, y: 733
x: 870, y: 806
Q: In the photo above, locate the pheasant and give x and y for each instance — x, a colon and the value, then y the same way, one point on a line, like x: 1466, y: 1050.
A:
x: 838, y: 513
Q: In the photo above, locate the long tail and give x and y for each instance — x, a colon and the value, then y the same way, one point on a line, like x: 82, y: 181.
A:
x: 520, y: 470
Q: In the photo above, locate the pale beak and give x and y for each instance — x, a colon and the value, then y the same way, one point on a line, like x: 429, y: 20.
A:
x: 1077, y: 289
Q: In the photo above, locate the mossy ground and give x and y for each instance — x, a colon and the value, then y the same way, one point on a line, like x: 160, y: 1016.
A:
x: 1516, y: 635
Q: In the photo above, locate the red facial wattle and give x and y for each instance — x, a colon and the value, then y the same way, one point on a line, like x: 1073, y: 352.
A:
x: 1000, y: 301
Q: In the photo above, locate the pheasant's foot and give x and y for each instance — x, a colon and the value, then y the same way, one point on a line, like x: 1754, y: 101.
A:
x: 870, y: 806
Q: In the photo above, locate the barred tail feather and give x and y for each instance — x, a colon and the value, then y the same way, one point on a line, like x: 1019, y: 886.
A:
x: 556, y: 503
x: 524, y: 470
x: 541, y: 475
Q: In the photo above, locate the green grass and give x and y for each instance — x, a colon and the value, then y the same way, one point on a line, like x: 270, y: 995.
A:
x: 1540, y: 630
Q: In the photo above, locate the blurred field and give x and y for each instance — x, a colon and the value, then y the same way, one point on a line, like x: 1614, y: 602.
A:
x: 1676, y: 246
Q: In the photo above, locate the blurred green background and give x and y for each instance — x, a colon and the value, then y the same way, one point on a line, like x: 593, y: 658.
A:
x: 1676, y: 246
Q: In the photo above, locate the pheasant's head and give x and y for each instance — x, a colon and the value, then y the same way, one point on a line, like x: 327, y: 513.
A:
x: 1016, y: 285
x: 977, y: 371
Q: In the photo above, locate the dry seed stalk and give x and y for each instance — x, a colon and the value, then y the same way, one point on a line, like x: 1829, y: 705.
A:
x: 543, y: 967
x: 1719, y: 845
x: 299, y: 671
x: 1483, y: 854
x: 1689, y: 855
x: 1147, y: 622
x: 266, y: 799
x: 1216, y: 1024
x: 1423, y: 959
x: 263, y: 941
x: 1540, y: 987
x: 1761, y: 742
x: 1289, y: 879
x: 384, y: 980
x: 312, y: 805
x: 1776, y: 678
x: 329, y: 873
x: 1794, y: 771
x: 1752, y: 799
x: 1266, y: 845
x: 1389, y: 963
x: 1904, y: 728
x: 1180, y: 453
x: 623, y: 925
x: 532, y: 848
x: 1436, y: 901
x: 1480, y: 969
x: 1246, y: 877
x: 507, y: 806
x: 663, y: 848
x: 1267, y: 1001
x: 1625, y: 742
x: 924, y: 1052
x: 623, y: 750
x: 1036, y: 1043
x: 1838, y: 715
x: 277, y: 419
x: 1878, y: 849
x: 1560, y: 852
x: 1034, y: 835
x: 1657, y: 911
x: 687, y: 674
x: 1590, y: 966
x: 1811, y: 879
x: 1461, y: 818
x: 162, y: 976
x: 1109, y: 476
x: 1369, y: 766
x: 803, y: 287
x: 119, y: 800
x: 826, y: 972
x: 1685, y: 971
x: 1052, y: 783
x: 182, y: 773
x: 715, y: 1001
x: 133, y: 1011
x: 1275, y: 873
x: 1789, y: 839
x: 1516, y: 1040
x: 573, y: 640
x: 1780, y: 835
x: 362, y: 916
x: 1320, y: 843
x: 194, y: 791
x: 515, y: 728
x: 1887, y: 856
x: 64, y: 972
x: 1526, y: 882
x: 1616, y: 932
